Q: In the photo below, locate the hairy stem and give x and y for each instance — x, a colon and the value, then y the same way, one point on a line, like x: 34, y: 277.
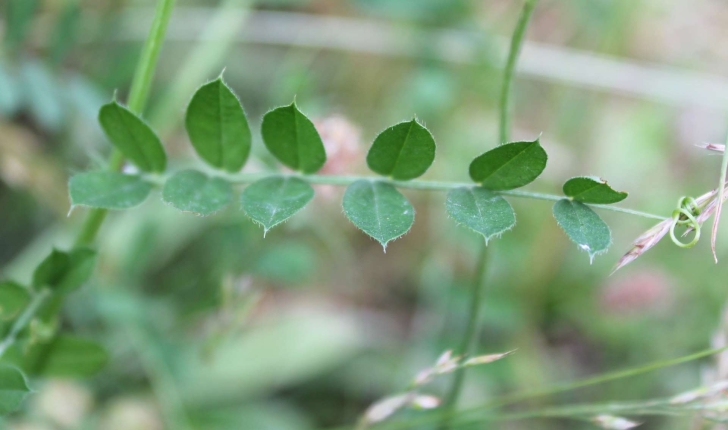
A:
x: 138, y: 96
x: 343, y: 181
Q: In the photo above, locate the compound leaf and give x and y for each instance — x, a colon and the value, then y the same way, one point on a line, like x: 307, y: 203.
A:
x: 379, y: 210
x: 583, y: 226
x: 63, y: 356
x: 133, y: 137
x: 481, y: 210
x: 271, y: 201
x: 592, y: 190
x: 193, y: 191
x: 13, y: 299
x: 13, y: 389
x: 404, y: 151
x: 509, y: 166
x: 108, y: 190
x: 64, y: 272
x: 217, y: 126
x: 292, y: 138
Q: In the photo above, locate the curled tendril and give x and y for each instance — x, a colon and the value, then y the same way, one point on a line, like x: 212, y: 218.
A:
x: 685, y: 215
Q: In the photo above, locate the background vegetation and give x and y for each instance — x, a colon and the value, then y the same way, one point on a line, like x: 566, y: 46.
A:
x: 212, y: 326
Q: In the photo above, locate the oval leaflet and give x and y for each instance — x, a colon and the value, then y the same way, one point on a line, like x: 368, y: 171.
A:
x: 403, y: 151
x: 217, y: 126
x: 379, y: 210
x: 481, y: 210
x: 583, y: 226
x: 511, y: 165
x: 292, y: 138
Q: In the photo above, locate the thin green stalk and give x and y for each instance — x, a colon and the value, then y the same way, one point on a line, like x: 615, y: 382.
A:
x: 343, y: 181
x: 479, y: 277
x: 138, y: 96
x: 471, y: 331
x: 139, y: 92
x: 469, y: 414
x: 515, y: 50
x: 23, y: 320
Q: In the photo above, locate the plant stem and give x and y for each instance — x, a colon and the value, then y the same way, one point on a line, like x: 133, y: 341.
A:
x: 23, y: 320
x: 343, y: 181
x: 515, y: 49
x: 468, y: 415
x: 138, y: 96
x: 478, y: 288
x: 139, y: 92
x: 478, y: 285
x: 719, y: 202
x: 471, y: 331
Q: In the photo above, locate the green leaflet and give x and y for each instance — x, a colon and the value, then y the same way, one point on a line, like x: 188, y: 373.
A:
x: 509, y: 166
x: 271, y: 201
x: 13, y: 389
x: 404, y: 151
x: 108, y: 190
x: 481, y: 210
x: 379, y: 210
x: 193, y: 191
x: 292, y: 138
x: 217, y: 126
x: 64, y: 272
x: 592, y: 190
x: 13, y: 299
x: 583, y: 226
x: 133, y: 137
x: 63, y: 356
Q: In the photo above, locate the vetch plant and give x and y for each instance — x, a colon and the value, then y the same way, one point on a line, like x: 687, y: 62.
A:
x: 218, y: 129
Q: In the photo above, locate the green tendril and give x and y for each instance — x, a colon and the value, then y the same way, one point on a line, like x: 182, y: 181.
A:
x: 685, y: 215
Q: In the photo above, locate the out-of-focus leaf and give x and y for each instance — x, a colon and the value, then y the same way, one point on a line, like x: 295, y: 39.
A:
x: 13, y: 389
x: 292, y: 138
x: 379, y: 210
x: 480, y: 210
x: 13, y: 299
x: 133, y: 137
x: 64, y: 356
x: 64, y: 272
x: 283, y: 350
x: 509, y: 166
x: 592, y: 190
x: 217, y: 126
x: 258, y: 415
x: 10, y: 96
x: 64, y: 33
x: 42, y: 96
x: 193, y: 191
x: 271, y: 201
x: 18, y: 17
x: 583, y: 226
x: 108, y: 190
x: 404, y: 151
x: 84, y: 96
x: 292, y: 263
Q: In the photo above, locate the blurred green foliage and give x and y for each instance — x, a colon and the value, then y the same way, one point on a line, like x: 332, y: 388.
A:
x: 211, y: 326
